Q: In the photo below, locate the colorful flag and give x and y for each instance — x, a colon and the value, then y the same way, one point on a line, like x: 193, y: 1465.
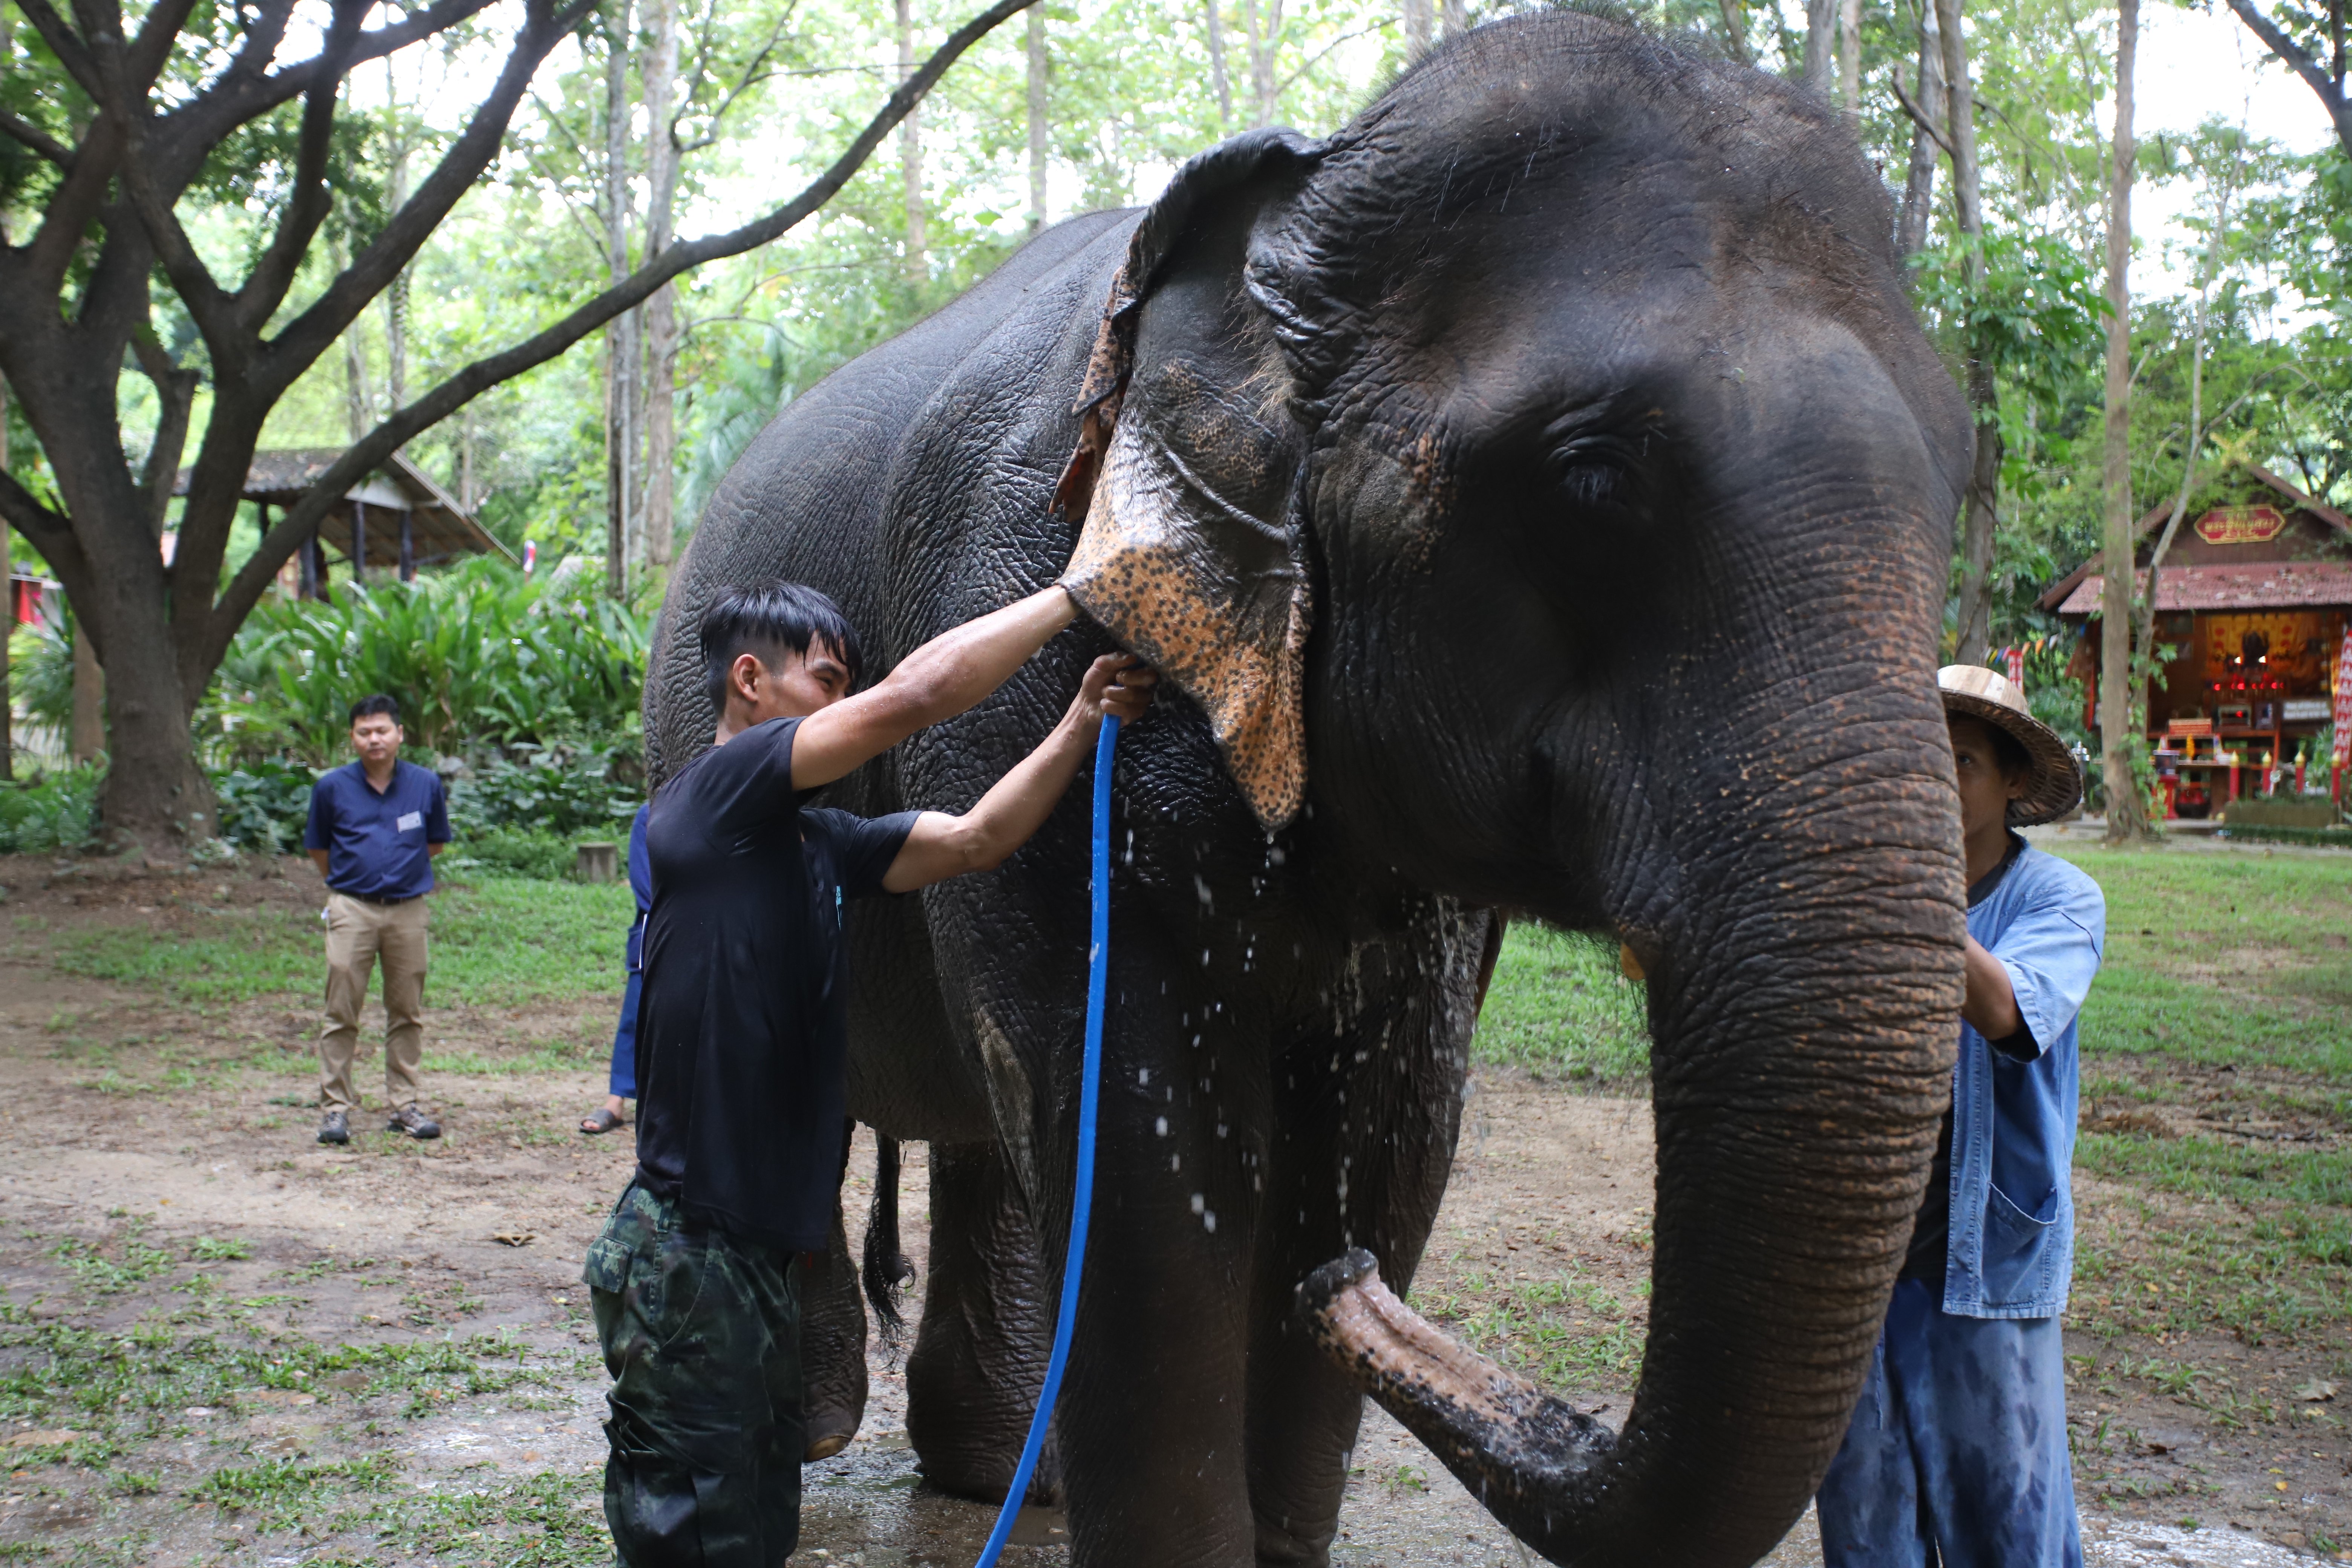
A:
x: 530, y: 556
x: 2016, y: 661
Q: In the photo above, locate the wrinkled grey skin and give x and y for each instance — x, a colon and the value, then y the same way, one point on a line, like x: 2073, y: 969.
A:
x: 1577, y: 378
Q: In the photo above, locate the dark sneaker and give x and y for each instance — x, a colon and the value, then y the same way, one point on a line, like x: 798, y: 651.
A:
x: 413, y: 1121
x: 336, y: 1128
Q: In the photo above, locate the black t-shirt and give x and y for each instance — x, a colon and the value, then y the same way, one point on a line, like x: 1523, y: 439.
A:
x: 742, y: 1030
x: 1931, y: 1233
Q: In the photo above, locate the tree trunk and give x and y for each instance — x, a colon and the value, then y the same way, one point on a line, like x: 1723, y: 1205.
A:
x: 1820, y: 46
x: 621, y: 332
x: 1919, y: 184
x: 1457, y: 17
x: 911, y: 156
x: 1417, y: 21
x: 395, y: 302
x: 1266, y: 93
x: 657, y: 527
x: 1037, y: 107
x: 87, y: 737
x: 1850, y: 57
x: 465, y: 464
x: 2119, y: 743
x: 1978, y: 506
x: 1217, y: 77
x: 358, y: 416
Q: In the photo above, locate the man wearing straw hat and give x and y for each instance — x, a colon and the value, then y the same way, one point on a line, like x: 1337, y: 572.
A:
x: 1957, y: 1453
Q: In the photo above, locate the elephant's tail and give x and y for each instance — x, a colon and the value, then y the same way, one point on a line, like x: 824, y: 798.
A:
x: 887, y: 1271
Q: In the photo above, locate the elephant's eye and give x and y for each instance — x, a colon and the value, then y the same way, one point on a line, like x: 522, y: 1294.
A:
x: 1596, y: 471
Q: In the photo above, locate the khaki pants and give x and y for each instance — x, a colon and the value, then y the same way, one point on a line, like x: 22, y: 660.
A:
x: 357, y: 933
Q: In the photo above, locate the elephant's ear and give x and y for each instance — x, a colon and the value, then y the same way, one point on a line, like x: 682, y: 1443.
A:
x: 1193, y: 554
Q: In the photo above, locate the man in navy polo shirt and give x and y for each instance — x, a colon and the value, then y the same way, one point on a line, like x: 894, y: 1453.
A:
x: 376, y: 826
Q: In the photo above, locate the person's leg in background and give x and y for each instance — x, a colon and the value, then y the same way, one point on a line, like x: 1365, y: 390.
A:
x: 621, y: 1083
x: 351, y: 959
x: 1869, y: 1504
x: 702, y: 1335
x: 1994, y: 1470
x: 402, y: 942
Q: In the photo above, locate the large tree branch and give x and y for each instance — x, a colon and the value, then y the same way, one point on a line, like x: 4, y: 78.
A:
x: 246, y: 588
x: 175, y: 390
x: 243, y: 94
x: 37, y: 140
x: 2299, y: 60
x: 63, y: 43
x: 286, y: 357
x: 264, y: 286
x: 48, y: 530
x: 1919, y: 118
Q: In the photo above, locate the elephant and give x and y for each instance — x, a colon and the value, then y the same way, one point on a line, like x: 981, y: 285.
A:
x: 1537, y: 497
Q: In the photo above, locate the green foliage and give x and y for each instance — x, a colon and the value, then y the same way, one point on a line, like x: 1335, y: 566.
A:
x: 54, y: 811
x: 2338, y: 837
x: 479, y: 653
x: 1559, y: 1007
x: 575, y: 791
x: 2038, y: 318
x: 515, y: 852
x: 264, y: 803
x: 40, y: 676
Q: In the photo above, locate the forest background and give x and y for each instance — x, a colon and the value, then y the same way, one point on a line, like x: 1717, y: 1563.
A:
x: 667, y: 117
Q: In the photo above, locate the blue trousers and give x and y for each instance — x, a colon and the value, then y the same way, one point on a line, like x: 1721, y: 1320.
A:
x: 623, y: 1078
x: 1956, y: 1457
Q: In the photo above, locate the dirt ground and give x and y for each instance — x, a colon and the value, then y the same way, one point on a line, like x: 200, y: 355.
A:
x: 222, y: 1343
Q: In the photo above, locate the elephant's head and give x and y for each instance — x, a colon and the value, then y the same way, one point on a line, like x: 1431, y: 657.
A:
x: 1546, y: 478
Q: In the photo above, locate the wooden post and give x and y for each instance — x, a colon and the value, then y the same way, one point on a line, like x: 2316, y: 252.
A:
x: 359, y: 541
x: 597, y: 862
x: 314, y: 567
x: 408, y: 547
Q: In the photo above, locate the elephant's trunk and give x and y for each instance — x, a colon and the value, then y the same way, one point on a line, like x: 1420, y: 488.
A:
x: 1805, y: 985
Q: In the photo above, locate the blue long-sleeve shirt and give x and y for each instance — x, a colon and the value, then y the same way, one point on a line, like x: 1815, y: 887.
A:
x: 2011, y: 1251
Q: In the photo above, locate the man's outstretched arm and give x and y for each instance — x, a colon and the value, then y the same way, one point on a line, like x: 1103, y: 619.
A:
x: 938, y: 681
x: 943, y: 845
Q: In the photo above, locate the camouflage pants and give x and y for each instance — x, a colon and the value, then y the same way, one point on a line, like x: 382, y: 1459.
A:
x: 702, y: 1334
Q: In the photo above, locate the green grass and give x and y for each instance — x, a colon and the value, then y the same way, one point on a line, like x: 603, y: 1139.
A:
x: 495, y: 942
x: 1559, y: 1007
x: 2223, y: 960
x: 282, y: 1493
x: 1560, y: 1332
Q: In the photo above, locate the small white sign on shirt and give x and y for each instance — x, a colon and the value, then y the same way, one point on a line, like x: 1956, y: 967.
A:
x: 409, y: 819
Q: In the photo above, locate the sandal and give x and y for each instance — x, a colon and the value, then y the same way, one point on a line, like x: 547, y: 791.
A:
x: 604, y: 1122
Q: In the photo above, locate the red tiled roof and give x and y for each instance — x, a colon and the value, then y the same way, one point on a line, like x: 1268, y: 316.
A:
x: 2260, y: 585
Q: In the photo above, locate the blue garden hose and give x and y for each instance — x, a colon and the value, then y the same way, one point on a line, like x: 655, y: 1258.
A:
x: 1082, y: 1195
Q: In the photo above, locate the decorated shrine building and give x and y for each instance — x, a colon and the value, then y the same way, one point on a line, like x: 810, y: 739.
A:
x: 2252, y: 598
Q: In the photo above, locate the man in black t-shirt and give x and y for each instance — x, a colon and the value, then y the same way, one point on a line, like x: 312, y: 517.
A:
x: 742, y: 1039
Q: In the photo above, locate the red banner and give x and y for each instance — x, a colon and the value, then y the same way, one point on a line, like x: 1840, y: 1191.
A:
x: 2343, y: 702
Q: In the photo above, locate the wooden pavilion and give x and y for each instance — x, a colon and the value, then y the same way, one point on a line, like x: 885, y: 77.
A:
x: 2255, y: 596
x: 394, y: 518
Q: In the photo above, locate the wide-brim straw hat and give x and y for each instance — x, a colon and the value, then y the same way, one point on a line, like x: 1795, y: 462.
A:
x: 1976, y: 692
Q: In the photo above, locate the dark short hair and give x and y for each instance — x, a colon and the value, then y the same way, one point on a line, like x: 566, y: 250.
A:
x: 767, y: 619
x: 368, y: 706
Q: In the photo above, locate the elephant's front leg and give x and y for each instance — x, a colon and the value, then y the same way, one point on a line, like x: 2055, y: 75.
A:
x: 1151, y: 1413
x: 1365, y: 1127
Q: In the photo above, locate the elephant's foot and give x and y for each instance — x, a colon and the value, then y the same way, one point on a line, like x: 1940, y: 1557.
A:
x: 829, y: 1433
